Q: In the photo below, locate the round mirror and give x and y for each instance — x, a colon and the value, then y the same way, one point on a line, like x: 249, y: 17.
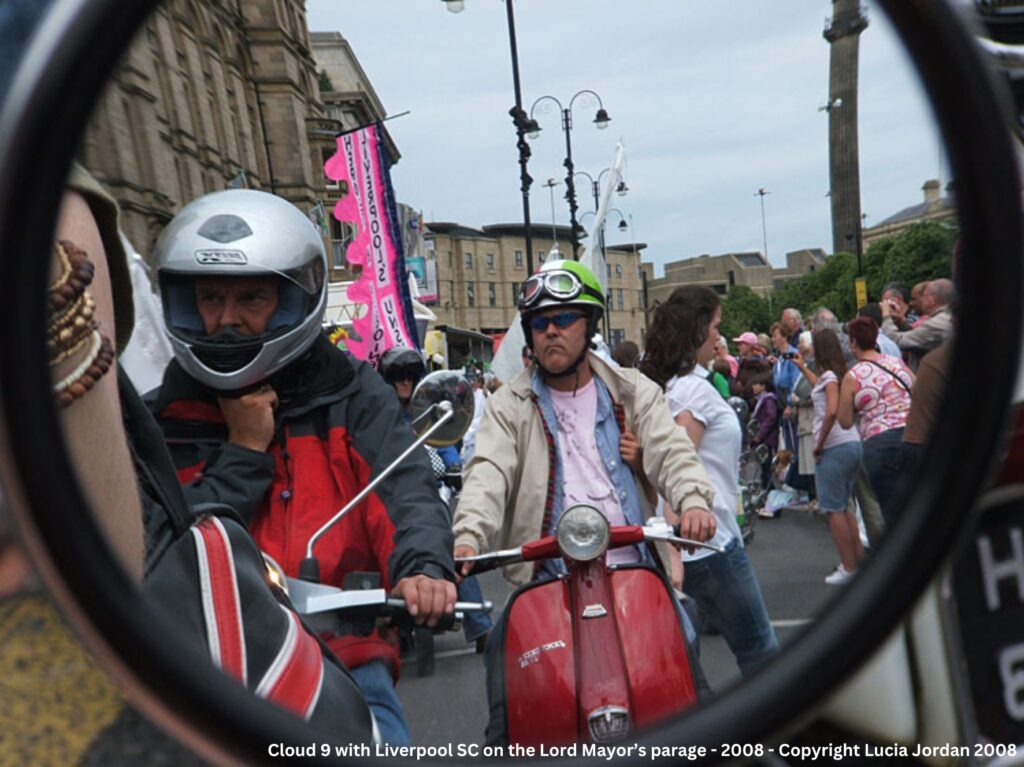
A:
x: 196, y: 105
x: 439, y: 393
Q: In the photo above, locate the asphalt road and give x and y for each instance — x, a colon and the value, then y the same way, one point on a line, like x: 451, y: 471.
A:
x: 791, y: 555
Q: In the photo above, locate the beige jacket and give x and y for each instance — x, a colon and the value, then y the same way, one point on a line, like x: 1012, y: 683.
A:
x: 505, y: 487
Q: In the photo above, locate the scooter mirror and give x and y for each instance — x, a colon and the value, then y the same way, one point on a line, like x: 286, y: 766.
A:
x: 427, y: 409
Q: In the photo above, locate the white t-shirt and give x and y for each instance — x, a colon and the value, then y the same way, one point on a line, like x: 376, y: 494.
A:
x: 719, y: 449
x: 837, y: 435
x: 585, y: 476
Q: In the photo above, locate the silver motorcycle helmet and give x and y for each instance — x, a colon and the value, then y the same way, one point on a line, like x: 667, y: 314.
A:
x: 241, y: 233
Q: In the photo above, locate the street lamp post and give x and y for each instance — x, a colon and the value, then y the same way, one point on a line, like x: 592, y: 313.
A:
x: 601, y: 120
x: 764, y: 228
x: 522, y: 123
x: 595, y: 184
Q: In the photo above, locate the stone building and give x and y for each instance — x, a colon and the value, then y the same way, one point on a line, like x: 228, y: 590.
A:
x: 722, y: 272
x: 934, y: 207
x: 479, y: 273
x: 210, y: 95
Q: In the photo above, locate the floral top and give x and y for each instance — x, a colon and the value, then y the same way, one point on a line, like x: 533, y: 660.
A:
x: 880, y: 400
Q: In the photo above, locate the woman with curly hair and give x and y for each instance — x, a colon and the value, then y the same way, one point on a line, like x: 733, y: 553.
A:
x: 680, y: 342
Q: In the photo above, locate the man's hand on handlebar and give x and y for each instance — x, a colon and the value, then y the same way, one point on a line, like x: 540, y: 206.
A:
x: 426, y: 599
x: 462, y: 569
x: 697, y: 524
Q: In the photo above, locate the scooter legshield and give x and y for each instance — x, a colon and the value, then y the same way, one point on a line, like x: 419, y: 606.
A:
x: 653, y: 644
x: 541, y: 682
x: 539, y: 667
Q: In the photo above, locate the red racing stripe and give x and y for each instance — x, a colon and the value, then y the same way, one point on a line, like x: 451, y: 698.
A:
x: 221, y: 606
x: 294, y: 679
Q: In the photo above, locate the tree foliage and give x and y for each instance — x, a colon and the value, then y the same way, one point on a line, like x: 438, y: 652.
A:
x: 324, y: 81
x: 744, y: 310
x: 922, y: 252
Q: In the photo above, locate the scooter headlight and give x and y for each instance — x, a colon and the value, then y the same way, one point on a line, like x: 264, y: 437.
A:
x: 583, y: 533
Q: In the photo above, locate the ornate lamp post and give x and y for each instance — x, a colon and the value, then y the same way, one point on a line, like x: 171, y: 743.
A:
x: 601, y: 120
x: 595, y: 184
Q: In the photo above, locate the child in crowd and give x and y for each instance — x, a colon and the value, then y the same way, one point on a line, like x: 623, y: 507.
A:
x: 766, y: 413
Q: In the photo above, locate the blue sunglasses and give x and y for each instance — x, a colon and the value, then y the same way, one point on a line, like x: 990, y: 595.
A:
x: 562, y: 320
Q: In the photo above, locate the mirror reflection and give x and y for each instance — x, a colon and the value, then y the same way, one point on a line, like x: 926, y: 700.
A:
x: 759, y: 370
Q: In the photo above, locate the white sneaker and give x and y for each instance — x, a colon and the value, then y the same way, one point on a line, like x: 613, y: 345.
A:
x: 840, y: 576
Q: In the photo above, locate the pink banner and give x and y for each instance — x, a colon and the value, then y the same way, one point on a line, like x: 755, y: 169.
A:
x: 369, y: 209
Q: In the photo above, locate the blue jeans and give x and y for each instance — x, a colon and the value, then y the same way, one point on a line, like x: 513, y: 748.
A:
x: 726, y: 590
x: 474, y: 625
x: 374, y: 680
x: 885, y: 462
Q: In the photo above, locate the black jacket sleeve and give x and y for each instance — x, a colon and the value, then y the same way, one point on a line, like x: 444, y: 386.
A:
x: 234, y: 476
x: 423, y: 531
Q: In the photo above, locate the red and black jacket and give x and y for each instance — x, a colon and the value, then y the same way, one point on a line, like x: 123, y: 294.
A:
x: 337, y: 425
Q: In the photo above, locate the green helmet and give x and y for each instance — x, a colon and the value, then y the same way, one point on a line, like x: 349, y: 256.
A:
x: 562, y: 283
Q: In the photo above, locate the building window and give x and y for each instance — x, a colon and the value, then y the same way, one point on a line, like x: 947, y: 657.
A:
x: 541, y: 255
x: 608, y: 269
x: 719, y: 288
x: 616, y: 336
x: 618, y: 270
x: 515, y: 294
x: 469, y: 260
x: 492, y: 298
x: 618, y: 296
x: 519, y: 259
x: 450, y: 259
x: 470, y: 294
x: 732, y: 278
x: 341, y: 235
x: 490, y: 262
x: 451, y: 292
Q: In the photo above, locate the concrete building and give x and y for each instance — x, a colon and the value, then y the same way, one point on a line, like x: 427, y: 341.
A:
x: 722, y: 272
x: 210, y: 95
x: 479, y: 273
x: 934, y: 207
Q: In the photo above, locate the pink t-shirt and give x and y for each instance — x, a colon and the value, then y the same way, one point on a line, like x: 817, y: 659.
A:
x: 881, y: 402
x: 584, y: 473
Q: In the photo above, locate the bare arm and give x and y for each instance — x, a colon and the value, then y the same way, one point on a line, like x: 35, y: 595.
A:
x: 694, y: 428
x: 831, y: 410
x: 92, y: 425
x: 846, y: 413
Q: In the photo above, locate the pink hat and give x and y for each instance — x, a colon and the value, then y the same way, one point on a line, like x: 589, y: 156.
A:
x: 747, y: 338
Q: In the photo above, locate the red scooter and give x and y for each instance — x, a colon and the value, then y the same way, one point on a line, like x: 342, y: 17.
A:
x: 598, y: 653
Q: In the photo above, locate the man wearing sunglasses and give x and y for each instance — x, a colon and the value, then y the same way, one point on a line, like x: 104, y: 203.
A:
x: 550, y: 438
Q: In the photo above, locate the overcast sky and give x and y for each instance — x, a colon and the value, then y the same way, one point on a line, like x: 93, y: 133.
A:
x: 713, y: 100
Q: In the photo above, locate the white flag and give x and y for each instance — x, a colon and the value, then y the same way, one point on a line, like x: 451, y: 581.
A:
x: 594, y: 258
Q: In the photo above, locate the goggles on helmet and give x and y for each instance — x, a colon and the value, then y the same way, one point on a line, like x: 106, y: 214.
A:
x: 561, y: 285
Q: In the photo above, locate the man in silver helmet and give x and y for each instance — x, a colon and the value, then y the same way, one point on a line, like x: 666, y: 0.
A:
x: 262, y: 413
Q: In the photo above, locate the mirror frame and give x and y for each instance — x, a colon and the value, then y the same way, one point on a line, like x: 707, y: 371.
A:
x: 56, y: 85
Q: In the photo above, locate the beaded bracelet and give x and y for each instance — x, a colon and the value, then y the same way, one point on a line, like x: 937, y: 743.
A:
x: 72, y: 325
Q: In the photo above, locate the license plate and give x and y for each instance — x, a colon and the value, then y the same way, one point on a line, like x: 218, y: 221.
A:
x: 988, y: 582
